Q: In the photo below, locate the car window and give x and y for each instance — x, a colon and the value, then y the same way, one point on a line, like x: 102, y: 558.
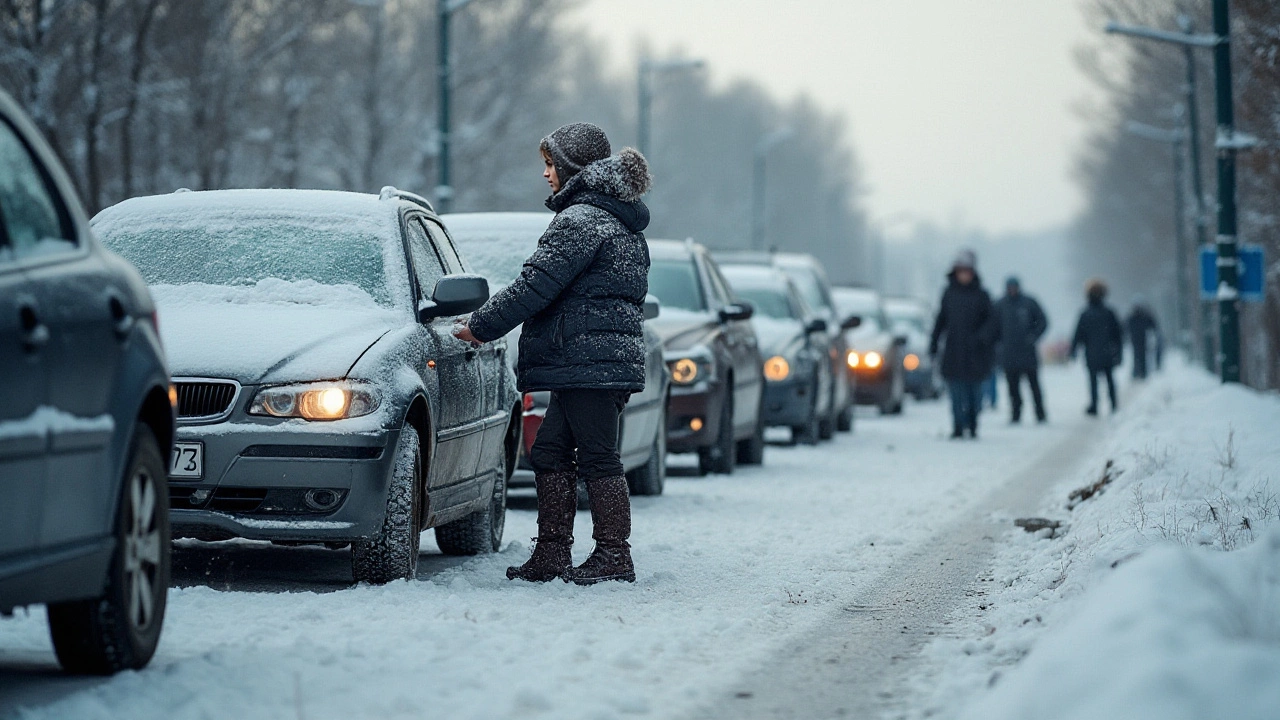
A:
x: 810, y: 287
x: 444, y: 245
x: 719, y: 285
x: 427, y: 267
x: 33, y: 216
x: 676, y: 284
x: 769, y: 302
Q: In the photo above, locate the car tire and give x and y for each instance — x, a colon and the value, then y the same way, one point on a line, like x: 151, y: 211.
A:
x: 481, y: 531
x: 751, y: 450
x: 651, y: 478
x: 120, y: 630
x: 720, y: 457
x: 808, y: 432
x: 844, y: 421
x: 826, y: 427
x: 392, y: 554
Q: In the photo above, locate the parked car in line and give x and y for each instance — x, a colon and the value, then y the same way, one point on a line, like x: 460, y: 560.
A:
x: 811, y: 281
x: 713, y: 355
x: 912, y: 318
x: 875, y: 352
x: 86, y: 422
x: 794, y: 340
x: 496, y: 246
x: 322, y: 397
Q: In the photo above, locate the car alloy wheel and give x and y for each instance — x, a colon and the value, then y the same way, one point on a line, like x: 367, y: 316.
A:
x: 142, y: 554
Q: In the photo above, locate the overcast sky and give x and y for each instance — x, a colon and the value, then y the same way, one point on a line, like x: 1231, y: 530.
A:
x: 959, y: 109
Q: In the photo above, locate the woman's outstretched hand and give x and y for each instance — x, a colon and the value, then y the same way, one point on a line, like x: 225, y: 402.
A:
x: 463, y: 333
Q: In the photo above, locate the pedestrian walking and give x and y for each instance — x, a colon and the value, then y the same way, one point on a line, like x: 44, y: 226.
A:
x: 1142, y: 328
x: 1099, y: 333
x: 1022, y: 324
x: 965, y: 328
x: 581, y: 299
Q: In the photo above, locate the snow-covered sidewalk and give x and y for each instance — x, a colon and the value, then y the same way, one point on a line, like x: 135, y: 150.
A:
x: 1136, y: 611
x: 730, y: 568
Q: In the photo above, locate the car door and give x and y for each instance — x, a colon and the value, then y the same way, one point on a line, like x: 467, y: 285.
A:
x: 23, y: 436
x: 456, y: 370
x: 747, y: 365
x: 491, y: 362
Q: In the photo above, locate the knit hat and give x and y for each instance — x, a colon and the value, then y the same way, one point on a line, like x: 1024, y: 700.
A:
x: 574, y: 146
x: 1013, y: 282
x: 965, y: 259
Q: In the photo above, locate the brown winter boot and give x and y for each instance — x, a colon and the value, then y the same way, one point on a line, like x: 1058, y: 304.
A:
x: 611, y: 526
x: 557, y: 503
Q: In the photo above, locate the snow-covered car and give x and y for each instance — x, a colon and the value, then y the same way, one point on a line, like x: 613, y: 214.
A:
x: 794, y: 341
x: 713, y: 354
x: 321, y: 394
x: 875, y: 352
x: 86, y: 422
x: 911, y: 318
x: 496, y: 246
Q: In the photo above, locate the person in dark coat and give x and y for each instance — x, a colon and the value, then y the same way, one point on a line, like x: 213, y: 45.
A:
x: 1022, y: 324
x: 966, y: 328
x: 1142, y: 327
x: 1099, y: 333
x: 581, y: 299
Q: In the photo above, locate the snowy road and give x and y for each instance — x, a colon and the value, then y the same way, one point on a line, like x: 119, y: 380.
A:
x: 737, y: 577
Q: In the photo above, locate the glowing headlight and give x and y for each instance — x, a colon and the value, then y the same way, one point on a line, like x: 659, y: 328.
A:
x: 873, y: 359
x: 684, y: 371
x: 329, y: 401
x: 911, y: 362
x: 853, y: 360
x: 777, y: 368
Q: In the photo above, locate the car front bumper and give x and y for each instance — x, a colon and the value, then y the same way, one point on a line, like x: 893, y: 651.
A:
x: 257, y: 478
x: 702, y: 401
x: 874, y: 388
x: 788, y: 402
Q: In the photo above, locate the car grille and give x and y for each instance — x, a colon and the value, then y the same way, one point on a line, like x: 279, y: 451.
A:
x: 205, y: 398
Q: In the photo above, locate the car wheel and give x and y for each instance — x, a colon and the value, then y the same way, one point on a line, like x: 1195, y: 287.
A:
x: 844, y: 421
x: 652, y: 477
x: 392, y: 554
x: 121, y: 629
x: 751, y: 450
x: 808, y: 432
x: 481, y: 531
x: 719, y: 458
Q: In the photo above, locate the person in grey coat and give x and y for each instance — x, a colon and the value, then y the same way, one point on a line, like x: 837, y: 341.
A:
x: 581, y: 299
x: 1022, y: 324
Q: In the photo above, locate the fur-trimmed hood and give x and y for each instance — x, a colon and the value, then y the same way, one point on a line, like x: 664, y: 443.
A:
x: 624, y: 176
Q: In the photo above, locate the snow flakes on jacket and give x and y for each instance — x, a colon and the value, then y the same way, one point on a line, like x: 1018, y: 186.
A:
x: 581, y: 294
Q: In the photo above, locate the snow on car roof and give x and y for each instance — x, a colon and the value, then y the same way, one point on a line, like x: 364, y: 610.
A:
x: 754, y: 276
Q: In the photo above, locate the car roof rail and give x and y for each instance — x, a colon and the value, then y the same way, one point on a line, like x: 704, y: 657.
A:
x: 391, y: 192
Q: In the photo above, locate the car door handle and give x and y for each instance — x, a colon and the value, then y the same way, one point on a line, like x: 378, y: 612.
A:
x: 471, y: 353
x: 121, y: 320
x: 35, y: 334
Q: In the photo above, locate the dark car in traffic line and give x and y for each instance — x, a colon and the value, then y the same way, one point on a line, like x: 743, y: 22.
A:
x: 86, y: 422
x: 794, y: 341
x: 913, y: 319
x: 875, y: 354
x: 322, y: 397
x: 713, y: 356
x: 496, y: 246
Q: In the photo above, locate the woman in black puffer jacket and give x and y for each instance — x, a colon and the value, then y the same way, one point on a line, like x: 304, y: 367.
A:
x: 581, y: 299
x: 1102, y: 338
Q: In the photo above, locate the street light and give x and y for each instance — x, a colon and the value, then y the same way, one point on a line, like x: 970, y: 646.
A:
x: 645, y: 87
x: 1227, y: 145
x: 759, y: 177
x: 444, y: 187
x: 1175, y: 138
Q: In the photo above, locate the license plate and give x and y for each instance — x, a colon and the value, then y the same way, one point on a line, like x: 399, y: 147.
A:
x: 188, y: 460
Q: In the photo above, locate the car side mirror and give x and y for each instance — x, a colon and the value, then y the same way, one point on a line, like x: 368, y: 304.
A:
x: 740, y: 310
x: 651, y: 307
x: 851, y: 322
x: 816, y: 325
x: 454, y: 295
x: 899, y: 340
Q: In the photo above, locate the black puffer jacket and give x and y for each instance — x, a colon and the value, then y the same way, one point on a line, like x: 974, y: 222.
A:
x: 966, y: 318
x: 581, y: 294
x: 1022, y: 324
x: 1100, y: 333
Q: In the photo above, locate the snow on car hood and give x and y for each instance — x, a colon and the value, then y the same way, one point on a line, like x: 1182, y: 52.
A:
x: 776, y: 335
x: 275, y: 331
x: 680, y: 329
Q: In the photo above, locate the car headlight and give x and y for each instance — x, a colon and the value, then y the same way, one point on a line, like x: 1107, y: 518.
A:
x: 873, y: 359
x: 853, y: 360
x: 316, y: 401
x: 684, y: 371
x: 911, y: 362
x: 777, y: 368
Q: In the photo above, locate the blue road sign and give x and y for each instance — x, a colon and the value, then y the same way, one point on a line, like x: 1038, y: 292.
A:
x: 1252, y: 273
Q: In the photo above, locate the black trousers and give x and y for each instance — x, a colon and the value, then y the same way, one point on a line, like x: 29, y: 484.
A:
x: 1139, y: 359
x: 580, y: 432
x: 1014, y: 378
x: 1093, y: 387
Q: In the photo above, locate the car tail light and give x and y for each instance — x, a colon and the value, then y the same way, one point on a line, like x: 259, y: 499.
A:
x: 527, y: 402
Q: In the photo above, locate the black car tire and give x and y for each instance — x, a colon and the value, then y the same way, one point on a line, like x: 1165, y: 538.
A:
x: 120, y: 630
x: 844, y: 421
x: 652, y: 477
x: 392, y: 554
x: 807, y: 433
x: 751, y: 450
x: 719, y: 458
x: 481, y: 531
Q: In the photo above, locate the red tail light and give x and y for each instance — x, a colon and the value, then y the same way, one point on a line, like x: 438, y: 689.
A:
x: 527, y: 402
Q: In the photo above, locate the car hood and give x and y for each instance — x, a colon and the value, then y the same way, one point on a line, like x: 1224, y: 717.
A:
x: 255, y: 343
x: 682, y: 329
x: 776, y: 336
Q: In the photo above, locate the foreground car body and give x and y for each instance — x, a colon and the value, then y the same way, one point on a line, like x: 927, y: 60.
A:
x: 85, y: 421
x: 874, y: 358
x: 713, y: 354
x: 321, y: 394
x: 496, y: 246
x: 911, y: 318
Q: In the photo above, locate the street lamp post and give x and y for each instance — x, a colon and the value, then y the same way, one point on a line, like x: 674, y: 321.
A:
x: 644, y: 85
x: 1227, y: 144
x: 1197, y: 184
x: 444, y: 186
x: 759, y: 177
